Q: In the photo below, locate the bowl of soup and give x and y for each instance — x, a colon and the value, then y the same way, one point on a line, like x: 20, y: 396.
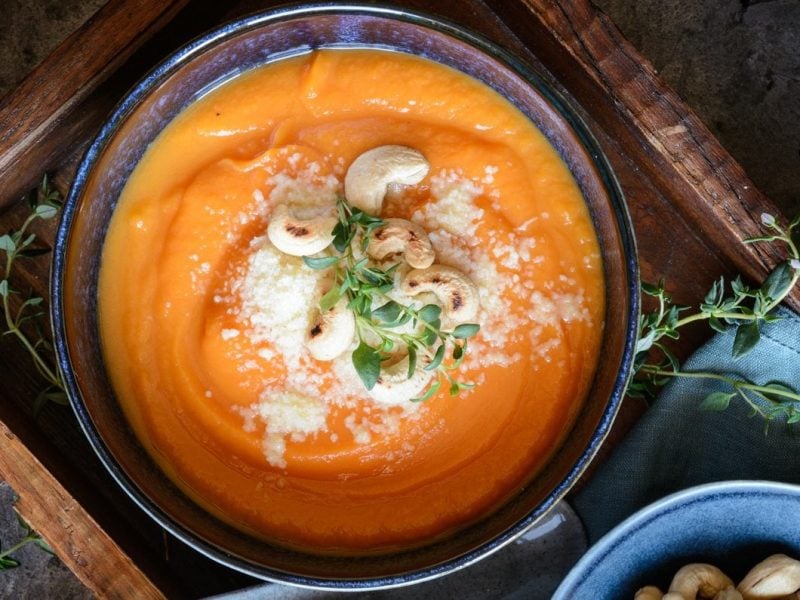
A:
x: 345, y: 296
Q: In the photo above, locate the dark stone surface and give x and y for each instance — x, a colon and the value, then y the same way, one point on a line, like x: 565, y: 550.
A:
x: 39, y: 574
x: 737, y: 64
x: 30, y: 29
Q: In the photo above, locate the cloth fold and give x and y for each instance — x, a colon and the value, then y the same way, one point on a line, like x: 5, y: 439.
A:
x: 676, y: 445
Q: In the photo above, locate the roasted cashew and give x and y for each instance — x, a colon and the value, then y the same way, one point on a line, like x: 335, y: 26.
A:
x: 773, y: 577
x: 401, y: 237
x: 299, y: 237
x: 649, y: 592
x: 369, y: 175
x: 699, y: 580
x: 394, y: 386
x: 457, y: 293
x: 331, y: 332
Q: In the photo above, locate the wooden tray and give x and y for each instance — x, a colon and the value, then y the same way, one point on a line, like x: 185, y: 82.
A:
x: 690, y: 202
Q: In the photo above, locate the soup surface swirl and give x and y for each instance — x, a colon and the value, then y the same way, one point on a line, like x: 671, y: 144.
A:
x: 203, y: 321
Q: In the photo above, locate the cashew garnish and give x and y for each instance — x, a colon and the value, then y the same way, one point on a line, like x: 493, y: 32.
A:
x: 773, y: 577
x: 369, y: 175
x: 699, y: 580
x: 299, y: 237
x: 400, y: 237
x: 331, y: 332
x: 394, y: 386
x: 457, y: 293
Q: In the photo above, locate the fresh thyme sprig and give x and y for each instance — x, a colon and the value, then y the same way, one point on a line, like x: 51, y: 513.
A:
x: 365, y: 286
x: 29, y: 536
x: 24, y: 321
x: 743, y: 308
x: 20, y: 244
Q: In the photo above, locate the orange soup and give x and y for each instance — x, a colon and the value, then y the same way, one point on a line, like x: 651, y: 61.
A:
x: 204, y: 322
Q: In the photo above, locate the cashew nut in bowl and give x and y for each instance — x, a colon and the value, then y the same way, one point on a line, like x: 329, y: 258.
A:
x: 729, y: 593
x: 649, y: 592
x: 331, y: 332
x: 456, y: 292
x: 370, y: 174
x: 400, y: 237
x: 394, y: 386
x: 775, y: 577
x: 700, y: 580
x: 299, y: 237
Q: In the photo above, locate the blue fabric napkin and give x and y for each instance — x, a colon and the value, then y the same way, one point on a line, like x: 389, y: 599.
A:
x: 676, y: 445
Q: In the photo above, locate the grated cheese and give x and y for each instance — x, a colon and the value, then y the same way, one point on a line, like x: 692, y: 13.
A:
x: 453, y: 208
x: 288, y: 413
x: 275, y: 296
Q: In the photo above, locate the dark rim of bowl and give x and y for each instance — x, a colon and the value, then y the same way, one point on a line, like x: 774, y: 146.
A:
x: 287, y: 12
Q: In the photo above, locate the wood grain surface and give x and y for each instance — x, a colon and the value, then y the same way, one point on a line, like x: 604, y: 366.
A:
x: 690, y: 203
x: 40, y: 117
x: 85, y: 547
x: 675, y: 151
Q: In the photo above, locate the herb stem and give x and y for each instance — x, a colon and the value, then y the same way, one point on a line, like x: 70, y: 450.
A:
x: 10, y: 256
x: 737, y: 384
x: 31, y: 537
x: 41, y: 365
x: 661, y: 306
x: 16, y: 244
x: 793, y: 251
x: 723, y: 315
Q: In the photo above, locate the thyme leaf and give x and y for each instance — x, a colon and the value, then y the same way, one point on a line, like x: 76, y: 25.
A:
x: 465, y: 330
x: 367, y: 362
x: 24, y: 321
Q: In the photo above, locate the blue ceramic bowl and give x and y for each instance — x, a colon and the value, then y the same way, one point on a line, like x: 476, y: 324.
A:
x: 733, y: 525
x: 150, y: 106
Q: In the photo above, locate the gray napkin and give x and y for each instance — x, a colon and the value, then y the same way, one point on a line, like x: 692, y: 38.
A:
x: 675, y: 445
x: 530, y: 568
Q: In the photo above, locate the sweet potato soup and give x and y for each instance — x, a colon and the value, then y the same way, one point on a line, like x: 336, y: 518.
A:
x: 205, y: 322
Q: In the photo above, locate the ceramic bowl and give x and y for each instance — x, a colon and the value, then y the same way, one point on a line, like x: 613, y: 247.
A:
x: 733, y: 525
x: 143, y: 113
